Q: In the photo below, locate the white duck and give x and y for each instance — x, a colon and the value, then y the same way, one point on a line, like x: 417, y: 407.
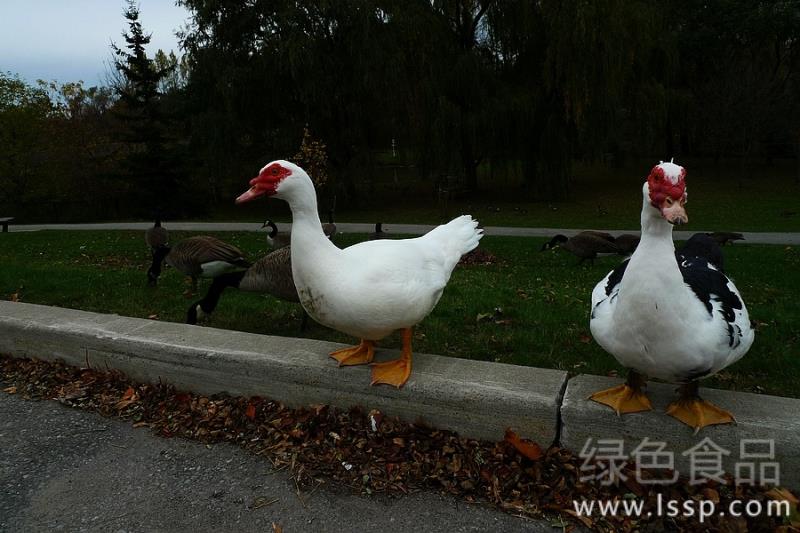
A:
x: 370, y: 289
x: 675, y: 322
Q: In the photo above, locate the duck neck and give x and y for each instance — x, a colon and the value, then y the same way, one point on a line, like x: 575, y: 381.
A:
x: 304, y: 208
x: 656, y: 231
x: 308, y: 239
x: 655, y: 255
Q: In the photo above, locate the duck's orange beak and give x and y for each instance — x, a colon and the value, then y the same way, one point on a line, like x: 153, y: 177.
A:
x: 259, y: 186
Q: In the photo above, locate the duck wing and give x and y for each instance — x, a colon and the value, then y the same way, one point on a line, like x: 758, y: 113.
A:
x: 719, y: 295
x: 607, y: 290
x: 412, y: 266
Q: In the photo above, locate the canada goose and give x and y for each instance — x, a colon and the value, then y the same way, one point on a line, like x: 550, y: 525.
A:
x: 277, y: 239
x: 585, y: 245
x: 378, y: 233
x: 724, y: 237
x: 202, y: 256
x: 157, y: 236
x: 627, y: 243
x: 272, y: 274
x: 601, y: 234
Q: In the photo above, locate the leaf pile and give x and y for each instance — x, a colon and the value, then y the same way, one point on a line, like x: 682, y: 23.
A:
x: 372, y: 453
x: 478, y: 256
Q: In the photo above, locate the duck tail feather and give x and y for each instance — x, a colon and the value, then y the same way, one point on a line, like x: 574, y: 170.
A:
x: 457, y: 237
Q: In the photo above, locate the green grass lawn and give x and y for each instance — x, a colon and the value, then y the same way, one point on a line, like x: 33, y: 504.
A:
x: 530, y: 308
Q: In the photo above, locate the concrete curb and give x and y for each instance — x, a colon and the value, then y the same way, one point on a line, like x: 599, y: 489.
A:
x: 758, y: 417
x: 475, y: 398
x: 397, y: 229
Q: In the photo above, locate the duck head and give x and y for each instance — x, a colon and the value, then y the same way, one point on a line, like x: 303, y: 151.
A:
x: 665, y: 191
x: 277, y: 179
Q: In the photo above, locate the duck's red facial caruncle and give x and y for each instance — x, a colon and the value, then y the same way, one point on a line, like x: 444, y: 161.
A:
x: 265, y: 183
x: 667, y: 185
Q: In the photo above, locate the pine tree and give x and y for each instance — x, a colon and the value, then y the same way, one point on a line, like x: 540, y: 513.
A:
x: 150, y: 168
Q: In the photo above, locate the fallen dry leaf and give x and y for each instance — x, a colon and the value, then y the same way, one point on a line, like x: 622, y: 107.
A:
x: 526, y: 447
x: 585, y: 519
x: 711, y: 495
x: 129, y: 397
x: 372, y: 453
x: 779, y: 493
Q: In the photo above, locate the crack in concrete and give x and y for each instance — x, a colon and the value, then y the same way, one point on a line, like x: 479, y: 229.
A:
x: 559, y: 403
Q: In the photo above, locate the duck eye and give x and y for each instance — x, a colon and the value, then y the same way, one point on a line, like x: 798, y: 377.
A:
x: 669, y: 201
x: 274, y: 171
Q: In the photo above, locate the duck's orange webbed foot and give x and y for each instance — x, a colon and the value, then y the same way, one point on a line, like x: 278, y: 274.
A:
x: 696, y: 412
x: 625, y: 398
x: 395, y: 372
x: 356, y: 355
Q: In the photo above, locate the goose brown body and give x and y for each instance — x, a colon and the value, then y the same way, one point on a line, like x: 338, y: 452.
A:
x: 199, y: 256
x: 272, y: 274
x: 627, y: 243
x: 193, y: 255
x: 585, y: 245
x: 157, y: 236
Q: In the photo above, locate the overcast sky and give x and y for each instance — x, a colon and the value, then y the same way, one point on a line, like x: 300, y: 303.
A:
x: 68, y: 40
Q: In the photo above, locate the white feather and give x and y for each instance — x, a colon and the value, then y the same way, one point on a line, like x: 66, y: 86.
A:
x: 654, y: 323
x: 373, y: 288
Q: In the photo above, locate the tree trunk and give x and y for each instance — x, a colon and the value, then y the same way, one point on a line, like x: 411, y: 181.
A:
x: 797, y: 147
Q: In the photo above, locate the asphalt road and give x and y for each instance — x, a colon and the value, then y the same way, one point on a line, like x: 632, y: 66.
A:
x: 412, y: 229
x: 63, y: 469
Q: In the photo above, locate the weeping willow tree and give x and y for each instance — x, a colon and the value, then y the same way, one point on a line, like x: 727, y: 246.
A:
x: 262, y: 70
x: 571, y: 67
x: 536, y: 85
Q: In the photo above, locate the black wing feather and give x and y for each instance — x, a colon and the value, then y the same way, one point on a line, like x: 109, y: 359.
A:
x: 709, y: 284
x: 616, y: 276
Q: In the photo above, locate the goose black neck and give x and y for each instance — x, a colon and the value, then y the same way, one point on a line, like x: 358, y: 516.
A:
x: 218, y: 286
x: 555, y: 240
x: 159, y: 255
